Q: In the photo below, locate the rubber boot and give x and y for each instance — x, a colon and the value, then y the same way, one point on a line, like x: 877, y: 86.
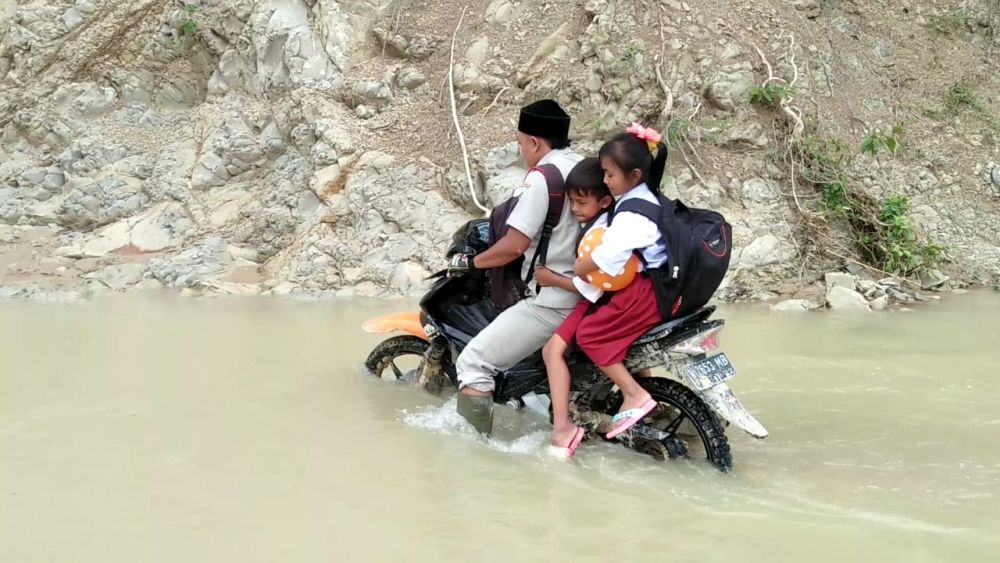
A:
x: 478, y: 411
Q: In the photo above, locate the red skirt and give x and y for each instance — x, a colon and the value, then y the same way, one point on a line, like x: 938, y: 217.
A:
x: 606, y: 334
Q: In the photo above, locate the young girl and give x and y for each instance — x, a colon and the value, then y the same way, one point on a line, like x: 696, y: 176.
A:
x: 633, y: 164
x: 589, y: 199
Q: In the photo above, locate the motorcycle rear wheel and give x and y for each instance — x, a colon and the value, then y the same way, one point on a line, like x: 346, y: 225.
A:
x: 679, y: 404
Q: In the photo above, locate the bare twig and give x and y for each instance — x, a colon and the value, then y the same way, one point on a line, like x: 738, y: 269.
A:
x: 691, y: 166
x: 770, y: 71
x: 693, y: 151
x: 908, y: 281
x: 795, y: 193
x: 791, y: 56
x: 793, y: 113
x: 697, y: 108
x: 454, y: 114
x: 668, y: 107
x: 388, y: 32
x: 495, y: 99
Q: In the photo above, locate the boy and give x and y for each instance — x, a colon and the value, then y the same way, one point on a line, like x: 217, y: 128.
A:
x: 589, y: 200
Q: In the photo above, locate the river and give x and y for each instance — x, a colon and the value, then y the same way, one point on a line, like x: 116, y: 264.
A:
x: 243, y: 430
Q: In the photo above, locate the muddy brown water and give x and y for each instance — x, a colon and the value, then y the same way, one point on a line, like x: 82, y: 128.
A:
x: 243, y: 430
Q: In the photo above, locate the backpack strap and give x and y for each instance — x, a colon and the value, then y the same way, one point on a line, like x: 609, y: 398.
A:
x: 647, y: 209
x: 556, y: 185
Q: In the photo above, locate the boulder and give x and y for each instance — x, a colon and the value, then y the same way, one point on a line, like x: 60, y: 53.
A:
x: 992, y: 178
x: 106, y: 240
x: 501, y: 12
x: 809, y: 8
x: 408, y: 278
x: 794, y: 305
x: 844, y: 299
x: 758, y: 191
x: 840, y: 279
x: 730, y: 89
x: 932, y: 278
x: 879, y: 303
x: 119, y: 277
x: 764, y: 251
x: 410, y: 78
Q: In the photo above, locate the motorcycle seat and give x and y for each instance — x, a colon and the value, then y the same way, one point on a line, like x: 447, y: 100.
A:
x: 674, y: 325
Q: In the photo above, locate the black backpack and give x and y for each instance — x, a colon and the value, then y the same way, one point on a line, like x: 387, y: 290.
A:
x: 506, y: 285
x: 699, y: 246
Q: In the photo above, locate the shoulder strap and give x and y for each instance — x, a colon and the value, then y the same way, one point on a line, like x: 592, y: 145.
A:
x: 647, y: 209
x: 556, y: 185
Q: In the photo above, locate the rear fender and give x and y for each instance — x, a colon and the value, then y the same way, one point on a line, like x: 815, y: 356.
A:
x: 723, y: 401
x: 408, y: 323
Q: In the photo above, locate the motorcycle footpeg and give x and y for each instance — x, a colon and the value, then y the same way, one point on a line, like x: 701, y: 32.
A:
x: 593, y: 422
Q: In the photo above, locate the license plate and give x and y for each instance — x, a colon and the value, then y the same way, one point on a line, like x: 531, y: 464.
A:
x: 709, y: 372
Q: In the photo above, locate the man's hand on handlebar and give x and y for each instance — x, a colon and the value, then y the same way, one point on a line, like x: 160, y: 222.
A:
x: 461, y: 264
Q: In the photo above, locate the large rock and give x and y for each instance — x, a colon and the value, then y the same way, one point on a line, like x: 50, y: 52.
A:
x: 932, y: 278
x: 809, y: 8
x: 730, y: 89
x: 119, y: 277
x: 840, y: 279
x: 414, y: 47
x: 843, y: 299
x: 410, y: 78
x: 502, y: 12
x: 390, y: 226
x: 408, y: 278
x: 879, y: 303
x: 760, y: 192
x: 194, y: 266
x: 992, y: 178
x: 99, y: 203
x: 794, y: 305
x: 764, y: 251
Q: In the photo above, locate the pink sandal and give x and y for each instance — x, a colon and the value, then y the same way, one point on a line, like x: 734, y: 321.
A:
x: 627, y: 419
x: 567, y: 452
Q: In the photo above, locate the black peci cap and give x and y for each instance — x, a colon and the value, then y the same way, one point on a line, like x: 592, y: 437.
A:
x: 544, y: 118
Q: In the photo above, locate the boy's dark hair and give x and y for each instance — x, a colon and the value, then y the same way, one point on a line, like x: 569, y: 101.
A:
x: 631, y: 153
x: 587, y: 178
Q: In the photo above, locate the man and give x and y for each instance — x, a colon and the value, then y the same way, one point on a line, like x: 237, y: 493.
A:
x: 543, y: 138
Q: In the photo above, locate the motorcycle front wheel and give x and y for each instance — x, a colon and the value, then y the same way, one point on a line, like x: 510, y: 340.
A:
x: 398, y: 358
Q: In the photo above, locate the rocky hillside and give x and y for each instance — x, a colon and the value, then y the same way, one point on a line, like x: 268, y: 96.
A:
x: 307, y: 146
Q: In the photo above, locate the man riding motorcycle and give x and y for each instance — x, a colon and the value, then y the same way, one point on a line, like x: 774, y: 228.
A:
x: 543, y: 138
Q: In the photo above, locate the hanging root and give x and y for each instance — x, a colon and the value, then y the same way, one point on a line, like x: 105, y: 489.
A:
x: 792, y: 113
x: 454, y: 116
x: 668, y: 107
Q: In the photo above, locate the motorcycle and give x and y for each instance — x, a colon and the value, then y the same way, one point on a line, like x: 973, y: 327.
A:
x: 695, y: 402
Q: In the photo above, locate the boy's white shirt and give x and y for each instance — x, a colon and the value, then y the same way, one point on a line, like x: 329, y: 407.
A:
x: 591, y: 292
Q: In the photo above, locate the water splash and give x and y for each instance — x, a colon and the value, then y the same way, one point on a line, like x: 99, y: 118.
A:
x: 515, y: 432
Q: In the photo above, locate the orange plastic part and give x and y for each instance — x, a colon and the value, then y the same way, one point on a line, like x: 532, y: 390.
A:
x: 598, y: 278
x: 399, y: 322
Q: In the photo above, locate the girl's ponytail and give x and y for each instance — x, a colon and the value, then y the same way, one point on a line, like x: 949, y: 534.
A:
x: 658, y: 166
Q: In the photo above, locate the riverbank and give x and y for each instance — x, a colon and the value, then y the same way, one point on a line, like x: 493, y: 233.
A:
x: 308, y: 148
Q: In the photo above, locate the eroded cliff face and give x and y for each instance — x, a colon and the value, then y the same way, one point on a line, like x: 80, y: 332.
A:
x: 292, y: 146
